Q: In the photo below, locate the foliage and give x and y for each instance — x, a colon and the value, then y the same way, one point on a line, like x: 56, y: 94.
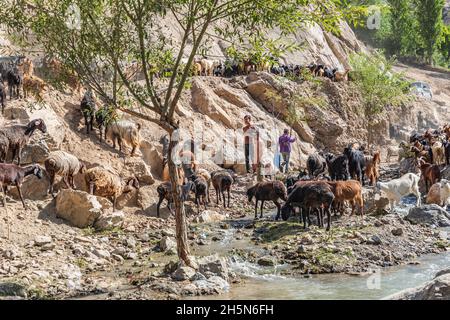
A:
x: 445, y: 44
x: 429, y: 17
x: 379, y: 85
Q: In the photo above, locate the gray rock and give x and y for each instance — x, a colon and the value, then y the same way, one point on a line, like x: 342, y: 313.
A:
x: 442, y: 272
x: 436, y: 289
x: 183, y: 273
x: 266, y: 261
x: 101, y: 253
x: 42, y: 240
x: 213, y: 264
x: 198, y: 276
x: 167, y: 243
x: 109, y: 221
x: 430, y: 214
x: 11, y: 289
x: 397, y: 232
x: 375, y: 239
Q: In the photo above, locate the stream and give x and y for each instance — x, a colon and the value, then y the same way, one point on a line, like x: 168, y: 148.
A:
x: 267, y: 282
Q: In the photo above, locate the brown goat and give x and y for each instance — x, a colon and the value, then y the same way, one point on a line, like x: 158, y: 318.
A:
x: 430, y: 173
x: 266, y: 191
x: 372, y: 168
x: 350, y: 191
x: 222, y: 181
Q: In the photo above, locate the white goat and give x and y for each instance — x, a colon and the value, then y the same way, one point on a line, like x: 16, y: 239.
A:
x: 440, y: 193
x: 396, y: 189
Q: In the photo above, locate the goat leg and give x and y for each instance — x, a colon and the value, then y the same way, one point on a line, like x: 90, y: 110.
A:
x: 278, y: 209
x: 66, y: 182
x: 20, y: 195
x: 329, y: 218
x: 228, y: 191
x: 161, y: 199
x: 223, y: 198
x: 262, y: 207
x: 256, y: 208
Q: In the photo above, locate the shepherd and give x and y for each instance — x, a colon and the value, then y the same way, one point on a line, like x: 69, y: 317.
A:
x: 285, y: 142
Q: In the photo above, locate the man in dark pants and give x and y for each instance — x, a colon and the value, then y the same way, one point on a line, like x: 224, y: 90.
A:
x: 249, y: 134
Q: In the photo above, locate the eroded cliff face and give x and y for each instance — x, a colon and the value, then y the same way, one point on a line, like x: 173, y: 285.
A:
x: 316, y: 44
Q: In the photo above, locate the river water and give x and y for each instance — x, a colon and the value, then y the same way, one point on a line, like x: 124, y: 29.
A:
x: 267, y: 282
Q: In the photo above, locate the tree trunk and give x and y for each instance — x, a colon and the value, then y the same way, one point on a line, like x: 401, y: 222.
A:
x: 180, y: 216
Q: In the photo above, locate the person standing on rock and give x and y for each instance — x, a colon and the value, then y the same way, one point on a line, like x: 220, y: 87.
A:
x: 285, y: 142
x: 249, y: 136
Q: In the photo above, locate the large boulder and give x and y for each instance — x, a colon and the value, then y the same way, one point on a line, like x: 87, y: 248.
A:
x: 153, y: 157
x: 213, y: 266
x: 147, y: 198
x: 137, y: 167
x: 436, y: 289
x: 56, y: 131
x: 32, y: 188
x: 80, y: 208
x: 429, y: 214
x: 35, y: 152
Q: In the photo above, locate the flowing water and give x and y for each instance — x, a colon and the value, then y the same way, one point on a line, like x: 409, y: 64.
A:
x: 268, y: 283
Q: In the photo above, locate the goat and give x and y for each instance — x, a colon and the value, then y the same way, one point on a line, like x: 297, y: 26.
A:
x: 447, y: 152
x: 222, y: 181
x: 33, y: 85
x: 125, y: 131
x: 104, y: 183
x: 316, y: 165
x: 341, y: 76
x: 350, y: 191
x: 164, y: 191
x: 396, y: 189
x: 430, y: 173
x: 337, y: 166
x: 200, y: 189
x: 19, y: 135
x: 438, y: 153
x: 372, y: 168
x: 207, y: 176
x: 64, y: 164
x: 88, y: 109
x: 15, y: 81
x: 356, y: 163
x: 265, y: 191
x: 439, y: 194
x: 307, y: 196
x: 2, y: 96
x: 103, y: 117
x: 11, y: 174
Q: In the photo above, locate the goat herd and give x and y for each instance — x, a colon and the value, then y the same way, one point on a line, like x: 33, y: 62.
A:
x: 330, y: 181
x: 231, y: 68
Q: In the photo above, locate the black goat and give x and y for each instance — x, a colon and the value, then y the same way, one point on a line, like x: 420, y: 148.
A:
x: 2, y: 96
x: 447, y: 152
x: 200, y: 188
x: 15, y: 81
x: 267, y: 191
x: 11, y: 174
x: 16, y: 137
x: 310, y: 195
x: 164, y: 191
x: 356, y: 164
x: 316, y: 165
x: 88, y: 110
x: 337, y: 166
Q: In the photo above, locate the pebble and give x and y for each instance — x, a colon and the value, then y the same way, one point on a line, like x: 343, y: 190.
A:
x: 42, y: 240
